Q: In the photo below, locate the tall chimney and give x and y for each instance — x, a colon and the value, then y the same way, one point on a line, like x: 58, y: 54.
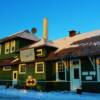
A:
x: 45, y: 29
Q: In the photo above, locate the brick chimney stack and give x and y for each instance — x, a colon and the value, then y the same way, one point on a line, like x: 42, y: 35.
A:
x: 72, y: 33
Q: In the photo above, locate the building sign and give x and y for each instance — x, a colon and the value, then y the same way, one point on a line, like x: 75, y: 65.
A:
x: 27, y: 55
x: 91, y: 43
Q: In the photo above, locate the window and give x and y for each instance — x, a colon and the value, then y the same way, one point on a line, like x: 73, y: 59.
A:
x: 0, y: 49
x: 39, y: 67
x: 6, y: 68
x: 39, y: 52
x: 22, y: 68
x: 7, y: 48
x: 76, y: 73
x: 60, y: 71
x: 61, y: 67
x: 12, y: 48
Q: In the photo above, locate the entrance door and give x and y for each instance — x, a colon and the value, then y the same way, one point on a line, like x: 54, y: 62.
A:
x: 15, y: 76
x: 75, y: 74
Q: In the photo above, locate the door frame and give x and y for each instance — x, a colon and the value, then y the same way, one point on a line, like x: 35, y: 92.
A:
x: 14, y: 80
x: 72, y: 74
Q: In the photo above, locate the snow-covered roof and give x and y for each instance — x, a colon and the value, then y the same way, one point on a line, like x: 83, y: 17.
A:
x: 67, y: 41
x: 41, y: 43
x: 22, y: 34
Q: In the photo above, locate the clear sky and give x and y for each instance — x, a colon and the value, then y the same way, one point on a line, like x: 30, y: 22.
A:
x: 63, y: 15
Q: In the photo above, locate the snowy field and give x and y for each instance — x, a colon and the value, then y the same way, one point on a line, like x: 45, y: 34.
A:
x: 14, y: 94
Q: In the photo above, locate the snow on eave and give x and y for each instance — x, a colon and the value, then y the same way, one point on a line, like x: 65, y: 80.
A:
x: 41, y: 43
x: 67, y: 41
x: 59, y: 49
x: 22, y: 34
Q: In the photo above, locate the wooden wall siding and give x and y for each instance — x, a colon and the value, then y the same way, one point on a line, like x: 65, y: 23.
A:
x: 46, y: 50
x: 19, y: 44
x: 58, y: 86
x: 30, y: 70
x: 6, y: 76
x: 91, y: 87
x: 40, y: 76
x: 23, y: 42
x: 6, y: 56
x: 86, y: 67
x: 50, y: 50
x: 50, y: 71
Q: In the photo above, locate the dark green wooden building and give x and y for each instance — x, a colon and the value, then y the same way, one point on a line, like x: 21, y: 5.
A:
x: 10, y: 55
x: 71, y: 63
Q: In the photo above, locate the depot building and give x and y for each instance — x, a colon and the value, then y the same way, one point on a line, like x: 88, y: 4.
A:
x: 68, y: 63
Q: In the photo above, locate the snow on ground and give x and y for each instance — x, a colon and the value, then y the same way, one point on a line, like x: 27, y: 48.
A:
x: 14, y: 94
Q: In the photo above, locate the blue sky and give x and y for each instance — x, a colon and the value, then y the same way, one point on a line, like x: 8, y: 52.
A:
x: 63, y: 15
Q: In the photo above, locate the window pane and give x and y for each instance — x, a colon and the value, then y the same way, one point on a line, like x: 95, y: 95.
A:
x: 13, y: 48
x: 76, y: 73
x: 23, y: 68
x: 7, y: 48
x: 14, y: 75
x: 62, y: 75
x: 60, y: 67
x: 39, y: 67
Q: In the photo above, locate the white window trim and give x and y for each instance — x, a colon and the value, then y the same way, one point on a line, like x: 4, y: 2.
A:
x: 6, y: 69
x: 40, y: 72
x: 57, y: 75
x: 72, y: 67
x: 20, y: 69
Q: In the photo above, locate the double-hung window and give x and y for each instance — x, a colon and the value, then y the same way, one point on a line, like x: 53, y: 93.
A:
x: 22, y: 68
x: 39, y: 67
x: 7, y: 46
x: 12, y: 46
